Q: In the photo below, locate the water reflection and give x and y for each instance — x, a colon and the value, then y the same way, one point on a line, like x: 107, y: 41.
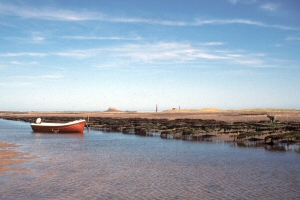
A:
x: 280, y: 147
x: 77, y: 135
x: 249, y: 143
x: 277, y: 148
x: 102, y: 165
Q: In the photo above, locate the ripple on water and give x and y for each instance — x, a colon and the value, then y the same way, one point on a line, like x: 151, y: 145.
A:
x: 116, y: 166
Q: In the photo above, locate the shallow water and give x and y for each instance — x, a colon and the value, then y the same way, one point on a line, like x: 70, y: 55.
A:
x: 98, y: 165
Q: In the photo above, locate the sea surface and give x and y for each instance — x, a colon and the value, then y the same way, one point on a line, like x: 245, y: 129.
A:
x: 99, y: 165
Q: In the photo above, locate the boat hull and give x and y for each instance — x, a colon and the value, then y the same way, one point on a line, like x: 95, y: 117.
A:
x: 71, y: 127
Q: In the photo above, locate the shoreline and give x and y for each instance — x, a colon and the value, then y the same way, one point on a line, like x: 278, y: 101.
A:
x: 220, y: 125
x: 229, y: 116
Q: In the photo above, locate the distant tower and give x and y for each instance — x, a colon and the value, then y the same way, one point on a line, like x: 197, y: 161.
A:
x: 179, y: 107
x: 156, y: 108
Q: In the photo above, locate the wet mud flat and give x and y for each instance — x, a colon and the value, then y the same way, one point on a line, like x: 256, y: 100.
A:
x: 10, y: 157
x: 228, y: 126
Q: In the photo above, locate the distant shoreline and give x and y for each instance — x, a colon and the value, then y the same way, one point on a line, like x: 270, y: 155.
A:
x: 220, y: 125
x: 230, y: 116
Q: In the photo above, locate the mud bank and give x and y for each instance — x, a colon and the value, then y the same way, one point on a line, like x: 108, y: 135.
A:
x: 10, y: 158
x: 228, y: 126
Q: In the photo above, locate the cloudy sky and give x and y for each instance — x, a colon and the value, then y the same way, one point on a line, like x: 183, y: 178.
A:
x: 133, y: 54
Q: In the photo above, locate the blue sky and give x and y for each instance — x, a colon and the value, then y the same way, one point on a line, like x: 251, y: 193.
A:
x: 132, y: 55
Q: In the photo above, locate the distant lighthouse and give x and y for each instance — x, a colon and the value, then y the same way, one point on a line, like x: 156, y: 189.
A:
x: 156, y: 108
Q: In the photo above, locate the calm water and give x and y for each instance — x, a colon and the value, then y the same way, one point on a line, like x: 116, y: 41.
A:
x: 98, y: 165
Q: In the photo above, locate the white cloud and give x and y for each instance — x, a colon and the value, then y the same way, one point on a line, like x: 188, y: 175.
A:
x: 270, y: 7
x: 157, y: 54
x: 32, y: 40
x: 48, y: 13
x: 40, y: 77
x: 233, y: 1
x: 200, y: 22
x: 212, y: 43
x: 22, y: 63
x: 83, y: 15
x: 246, y: 59
x: 250, y: 62
x: 51, y: 76
x: 79, y: 54
x: 15, y: 63
x: 164, y: 54
x: 16, y: 84
x: 242, y: 1
x: 37, y: 39
x: 293, y: 38
x: 99, y: 38
x: 31, y: 54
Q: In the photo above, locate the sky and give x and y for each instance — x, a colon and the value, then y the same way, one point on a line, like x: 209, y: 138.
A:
x: 75, y: 55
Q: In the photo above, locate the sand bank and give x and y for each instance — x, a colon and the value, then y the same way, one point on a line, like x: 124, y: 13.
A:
x: 9, y: 156
x: 229, y: 116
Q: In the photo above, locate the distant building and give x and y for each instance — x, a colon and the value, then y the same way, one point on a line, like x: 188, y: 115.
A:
x: 112, y: 109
